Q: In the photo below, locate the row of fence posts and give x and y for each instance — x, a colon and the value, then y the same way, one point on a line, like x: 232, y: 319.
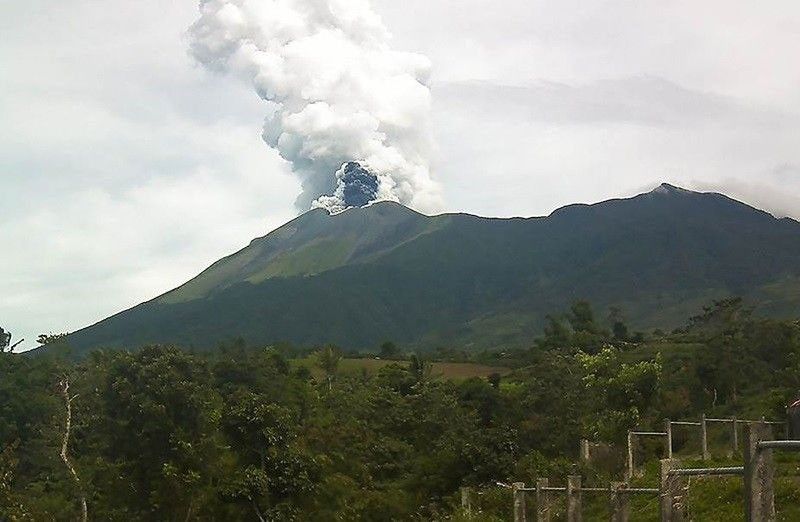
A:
x: 619, y: 499
x: 703, y: 425
x: 758, y: 473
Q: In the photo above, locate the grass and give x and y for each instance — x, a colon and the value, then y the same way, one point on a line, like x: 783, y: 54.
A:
x: 314, y: 258
x: 455, y: 371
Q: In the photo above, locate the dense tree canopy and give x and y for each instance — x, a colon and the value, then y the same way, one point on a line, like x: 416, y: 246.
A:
x: 245, y: 433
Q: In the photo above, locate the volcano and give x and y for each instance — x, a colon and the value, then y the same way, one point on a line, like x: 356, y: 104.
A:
x: 359, y: 186
x: 385, y: 272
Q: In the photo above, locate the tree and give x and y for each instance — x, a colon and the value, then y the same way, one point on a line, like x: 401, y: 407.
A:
x: 51, y: 339
x: 581, y: 317
x: 328, y: 359
x: 5, y: 339
x: 587, y: 335
x: 621, y: 393
x: 556, y: 334
x: 11, y: 506
x: 620, y: 331
x: 158, y: 416
x: 618, y: 327
x: 419, y: 369
x: 68, y: 398
x: 5, y: 342
x: 723, y: 316
x: 272, y: 472
x: 577, y: 330
x: 389, y: 350
x: 725, y: 327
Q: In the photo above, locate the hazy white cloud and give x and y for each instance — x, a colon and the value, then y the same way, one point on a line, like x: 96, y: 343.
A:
x: 548, y: 144
x: 126, y: 168
x: 776, y: 190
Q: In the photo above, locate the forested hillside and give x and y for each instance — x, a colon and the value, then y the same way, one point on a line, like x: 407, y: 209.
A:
x: 386, y: 272
x: 246, y: 432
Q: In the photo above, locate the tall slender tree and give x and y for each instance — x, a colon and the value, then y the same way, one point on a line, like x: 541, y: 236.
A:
x: 328, y: 359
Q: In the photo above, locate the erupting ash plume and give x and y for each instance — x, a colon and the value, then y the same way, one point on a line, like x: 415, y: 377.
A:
x: 350, y: 114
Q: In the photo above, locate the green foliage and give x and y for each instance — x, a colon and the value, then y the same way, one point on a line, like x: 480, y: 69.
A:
x: 474, y: 283
x: 419, y: 369
x: 242, y: 433
x: 5, y: 340
x: 328, y: 360
x: 621, y: 393
x: 51, y: 339
x: 389, y: 350
x: 12, y: 506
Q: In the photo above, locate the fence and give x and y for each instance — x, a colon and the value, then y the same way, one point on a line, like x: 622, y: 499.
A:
x: 702, y: 424
x: 619, y: 494
x: 758, y: 473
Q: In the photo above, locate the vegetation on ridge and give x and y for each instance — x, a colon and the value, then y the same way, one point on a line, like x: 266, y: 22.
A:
x: 474, y: 283
x: 244, y: 432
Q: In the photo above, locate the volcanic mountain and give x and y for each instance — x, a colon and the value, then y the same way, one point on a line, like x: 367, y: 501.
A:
x: 385, y: 272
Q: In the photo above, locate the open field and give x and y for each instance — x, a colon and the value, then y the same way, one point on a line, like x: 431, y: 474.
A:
x: 442, y: 370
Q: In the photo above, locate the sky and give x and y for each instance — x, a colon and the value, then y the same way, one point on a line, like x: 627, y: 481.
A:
x: 127, y: 168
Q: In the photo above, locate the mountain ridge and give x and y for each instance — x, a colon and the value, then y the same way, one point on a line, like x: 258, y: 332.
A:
x: 387, y: 272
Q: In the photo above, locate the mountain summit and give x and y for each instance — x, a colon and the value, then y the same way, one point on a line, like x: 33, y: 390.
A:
x: 382, y: 272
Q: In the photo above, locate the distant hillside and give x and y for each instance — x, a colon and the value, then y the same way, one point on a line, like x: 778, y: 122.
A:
x: 386, y: 272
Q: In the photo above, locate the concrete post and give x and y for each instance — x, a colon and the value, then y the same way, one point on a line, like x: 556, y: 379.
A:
x: 574, y: 511
x: 665, y: 493
x: 668, y: 431
x: 466, y: 503
x: 629, y: 470
x: 519, y: 501
x: 759, y: 498
x: 542, y: 501
x: 584, y: 451
x: 704, y: 436
x: 670, y: 495
x: 735, y: 435
x: 620, y: 508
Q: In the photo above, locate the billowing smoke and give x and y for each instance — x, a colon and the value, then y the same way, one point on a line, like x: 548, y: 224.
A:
x: 342, y: 106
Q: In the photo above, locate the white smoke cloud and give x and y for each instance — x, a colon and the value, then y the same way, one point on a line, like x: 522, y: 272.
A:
x: 335, y: 91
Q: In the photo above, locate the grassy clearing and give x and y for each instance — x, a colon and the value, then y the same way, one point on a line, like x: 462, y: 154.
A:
x: 455, y: 371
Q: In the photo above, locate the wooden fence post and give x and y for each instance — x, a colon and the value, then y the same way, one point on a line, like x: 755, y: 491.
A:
x: 704, y: 436
x: 542, y: 501
x: 735, y: 435
x: 466, y: 503
x: 629, y: 470
x: 759, y: 499
x: 668, y: 431
x: 519, y: 501
x: 574, y: 511
x: 620, y: 508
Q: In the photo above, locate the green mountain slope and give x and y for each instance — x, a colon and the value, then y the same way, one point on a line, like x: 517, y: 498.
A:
x: 386, y: 272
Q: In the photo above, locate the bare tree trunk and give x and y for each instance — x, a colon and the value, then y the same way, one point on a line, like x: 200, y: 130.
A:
x: 189, y: 512
x: 258, y: 511
x: 65, y: 445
